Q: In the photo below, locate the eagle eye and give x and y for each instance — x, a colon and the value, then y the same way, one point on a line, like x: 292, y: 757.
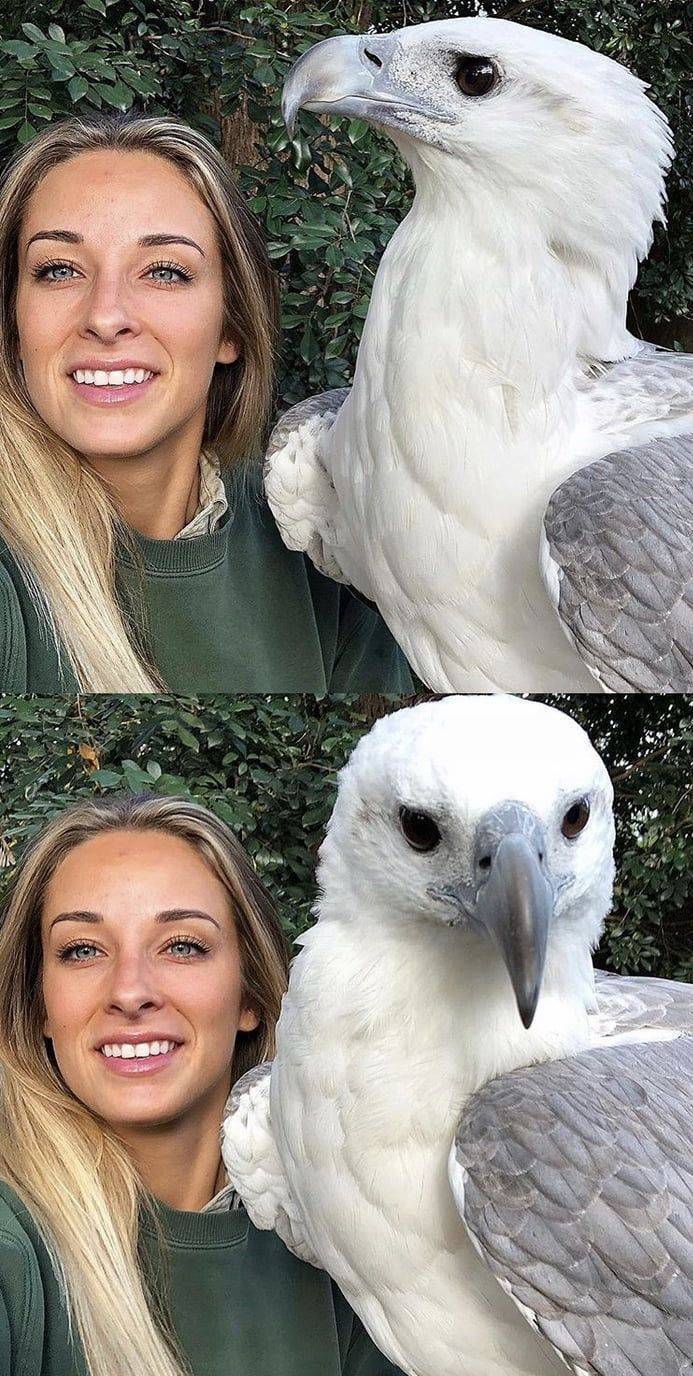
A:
x: 576, y: 819
x: 419, y: 829
x: 476, y: 76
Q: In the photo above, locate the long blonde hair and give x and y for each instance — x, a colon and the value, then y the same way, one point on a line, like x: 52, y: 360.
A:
x: 56, y: 516
x: 69, y: 1167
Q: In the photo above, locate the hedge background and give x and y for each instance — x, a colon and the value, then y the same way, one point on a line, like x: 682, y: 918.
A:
x: 329, y: 200
x: 268, y: 766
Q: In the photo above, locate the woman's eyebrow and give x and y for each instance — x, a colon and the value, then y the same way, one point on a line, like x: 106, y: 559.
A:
x: 181, y: 914
x: 169, y: 915
x: 69, y: 236
x: 76, y: 916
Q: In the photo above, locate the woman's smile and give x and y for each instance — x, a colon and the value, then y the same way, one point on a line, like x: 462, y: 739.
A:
x: 111, y: 388
x: 138, y: 1058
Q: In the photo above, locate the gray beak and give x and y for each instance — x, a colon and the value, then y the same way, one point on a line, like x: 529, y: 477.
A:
x: 515, y: 900
x: 349, y: 76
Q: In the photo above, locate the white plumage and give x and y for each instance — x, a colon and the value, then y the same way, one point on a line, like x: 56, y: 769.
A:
x: 484, y: 377
x: 403, y: 1005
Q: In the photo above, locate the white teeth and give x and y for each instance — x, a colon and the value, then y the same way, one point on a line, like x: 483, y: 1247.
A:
x: 116, y: 378
x: 129, y: 1049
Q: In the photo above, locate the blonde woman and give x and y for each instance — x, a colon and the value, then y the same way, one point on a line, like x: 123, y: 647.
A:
x: 138, y: 320
x: 141, y: 972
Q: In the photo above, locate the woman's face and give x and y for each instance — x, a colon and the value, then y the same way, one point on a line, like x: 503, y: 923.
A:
x: 92, y: 296
x: 140, y: 946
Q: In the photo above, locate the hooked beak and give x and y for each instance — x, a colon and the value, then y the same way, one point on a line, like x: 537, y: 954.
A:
x: 514, y: 904
x: 349, y: 75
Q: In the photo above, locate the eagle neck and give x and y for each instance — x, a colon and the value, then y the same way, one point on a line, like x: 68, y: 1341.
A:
x: 434, y: 1004
x: 466, y: 283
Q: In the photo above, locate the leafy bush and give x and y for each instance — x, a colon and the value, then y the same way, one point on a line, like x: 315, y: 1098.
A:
x: 268, y: 766
x: 331, y: 198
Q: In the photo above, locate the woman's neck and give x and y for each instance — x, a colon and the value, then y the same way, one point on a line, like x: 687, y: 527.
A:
x: 180, y: 1162
x: 156, y: 493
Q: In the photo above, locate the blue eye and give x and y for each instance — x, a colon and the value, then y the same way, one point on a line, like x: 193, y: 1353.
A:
x: 43, y: 270
x: 198, y: 946
x: 66, y: 952
x: 182, y: 274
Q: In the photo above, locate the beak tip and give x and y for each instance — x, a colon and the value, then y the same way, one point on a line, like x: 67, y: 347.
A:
x: 527, y: 1009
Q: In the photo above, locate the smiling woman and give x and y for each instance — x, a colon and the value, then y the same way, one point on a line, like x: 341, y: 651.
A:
x: 138, y: 321
x: 141, y: 973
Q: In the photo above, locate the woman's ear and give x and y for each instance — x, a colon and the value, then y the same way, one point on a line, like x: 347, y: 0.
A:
x: 229, y: 351
x: 249, y: 1019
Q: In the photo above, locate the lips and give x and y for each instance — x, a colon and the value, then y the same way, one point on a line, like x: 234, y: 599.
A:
x: 139, y: 1065
x: 101, y: 365
x: 111, y: 394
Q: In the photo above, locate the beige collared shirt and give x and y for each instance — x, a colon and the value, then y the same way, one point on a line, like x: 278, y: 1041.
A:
x: 212, y: 504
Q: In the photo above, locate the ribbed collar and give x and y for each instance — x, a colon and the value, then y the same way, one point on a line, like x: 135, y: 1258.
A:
x: 192, y: 1229
x: 167, y: 557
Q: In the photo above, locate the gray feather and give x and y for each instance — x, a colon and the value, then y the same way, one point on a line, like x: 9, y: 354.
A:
x: 324, y: 404
x: 621, y: 534
x: 578, y: 1191
x: 254, y: 1076
x: 655, y: 385
x: 626, y: 1003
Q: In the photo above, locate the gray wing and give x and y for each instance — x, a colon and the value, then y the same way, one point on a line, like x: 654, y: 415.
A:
x: 324, y: 404
x: 638, y: 399
x: 628, y: 1004
x: 575, y: 1182
x: 620, y: 545
x: 298, y: 483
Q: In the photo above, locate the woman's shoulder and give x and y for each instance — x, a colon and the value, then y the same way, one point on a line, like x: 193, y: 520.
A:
x: 21, y: 1288
x: 359, y: 652
x: 14, y: 1215
x: 12, y: 631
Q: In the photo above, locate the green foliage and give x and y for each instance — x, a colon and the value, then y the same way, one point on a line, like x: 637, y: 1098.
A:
x: 268, y: 766
x: 330, y: 198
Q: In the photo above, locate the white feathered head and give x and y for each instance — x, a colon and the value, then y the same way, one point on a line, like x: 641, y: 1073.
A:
x: 542, y: 136
x: 488, y: 814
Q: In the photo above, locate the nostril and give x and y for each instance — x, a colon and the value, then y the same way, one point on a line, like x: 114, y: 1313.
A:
x: 485, y: 862
x: 541, y: 857
x: 372, y: 57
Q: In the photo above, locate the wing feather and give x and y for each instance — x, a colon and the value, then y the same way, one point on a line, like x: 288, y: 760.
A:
x: 642, y: 398
x: 253, y: 1163
x: 620, y: 559
x: 298, y: 484
x: 575, y: 1182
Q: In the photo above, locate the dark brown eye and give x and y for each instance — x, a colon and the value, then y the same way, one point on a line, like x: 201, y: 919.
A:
x: 476, y: 76
x: 419, y: 829
x: 576, y: 818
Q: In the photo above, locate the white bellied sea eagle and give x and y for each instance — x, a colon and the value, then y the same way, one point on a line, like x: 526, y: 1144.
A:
x: 486, y: 1143
x: 510, y: 476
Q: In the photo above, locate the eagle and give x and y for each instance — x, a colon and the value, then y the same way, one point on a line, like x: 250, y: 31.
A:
x: 510, y: 476
x: 484, y: 1141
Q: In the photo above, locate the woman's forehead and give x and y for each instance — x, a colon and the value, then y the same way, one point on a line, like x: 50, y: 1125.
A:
x: 129, y: 191
x: 139, y: 871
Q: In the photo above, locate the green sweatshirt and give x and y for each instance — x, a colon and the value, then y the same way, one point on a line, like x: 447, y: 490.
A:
x: 240, y: 1303
x: 230, y: 612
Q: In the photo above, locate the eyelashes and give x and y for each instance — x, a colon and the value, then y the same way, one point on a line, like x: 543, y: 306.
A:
x: 41, y: 270
x: 64, y: 952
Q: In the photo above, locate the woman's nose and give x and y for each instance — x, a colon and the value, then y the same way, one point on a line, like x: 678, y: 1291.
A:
x: 132, y: 984
x: 109, y: 307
